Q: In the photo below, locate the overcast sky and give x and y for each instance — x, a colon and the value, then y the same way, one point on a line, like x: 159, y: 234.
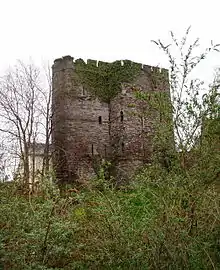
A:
x: 102, y: 29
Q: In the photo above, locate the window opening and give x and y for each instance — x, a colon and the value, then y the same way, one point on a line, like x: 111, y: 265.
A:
x: 92, y: 150
x: 83, y: 91
x: 122, y: 116
x: 100, y: 120
x: 122, y: 147
x: 105, y: 151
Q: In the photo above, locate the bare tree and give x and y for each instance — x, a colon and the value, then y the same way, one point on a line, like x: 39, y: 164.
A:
x: 3, y: 163
x: 45, y: 110
x: 24, y: 114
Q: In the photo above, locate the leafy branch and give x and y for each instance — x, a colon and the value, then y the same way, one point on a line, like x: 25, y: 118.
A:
x: 185, y: 91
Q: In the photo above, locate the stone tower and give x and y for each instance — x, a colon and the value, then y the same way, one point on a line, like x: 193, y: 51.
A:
x: 133, y: 120
x: 87, y: 130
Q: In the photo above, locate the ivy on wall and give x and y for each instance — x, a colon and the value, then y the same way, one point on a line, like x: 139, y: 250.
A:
x: 104, y: 81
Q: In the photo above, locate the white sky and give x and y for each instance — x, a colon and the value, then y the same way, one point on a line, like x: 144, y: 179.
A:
x: 102, y: 29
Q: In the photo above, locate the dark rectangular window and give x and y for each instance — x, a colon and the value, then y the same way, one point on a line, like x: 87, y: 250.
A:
x: 122, y: 147
x: 105, y: 151
x: 83, y: 91
x: 100, y: 120
x: 92, y: 150
x: 122, y: 116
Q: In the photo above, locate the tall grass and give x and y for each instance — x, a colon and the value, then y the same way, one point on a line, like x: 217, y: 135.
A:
x: 161, y: 221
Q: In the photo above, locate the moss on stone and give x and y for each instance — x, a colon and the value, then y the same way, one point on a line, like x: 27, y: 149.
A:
x: 104, y: 80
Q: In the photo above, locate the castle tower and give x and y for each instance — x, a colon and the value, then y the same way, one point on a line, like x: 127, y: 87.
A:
x: 87, y: 130
x: 80, y: 134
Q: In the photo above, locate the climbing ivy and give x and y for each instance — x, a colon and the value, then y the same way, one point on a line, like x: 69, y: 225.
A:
x: 104, y: 81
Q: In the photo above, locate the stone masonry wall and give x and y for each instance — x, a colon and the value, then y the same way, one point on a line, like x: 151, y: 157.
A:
x: 132, y: 121
x: 85, y: 130
x: 80, y: 125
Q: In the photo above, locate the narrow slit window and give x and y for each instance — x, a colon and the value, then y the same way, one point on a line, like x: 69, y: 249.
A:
x: 92, y: 150
x: 122, y: 147
x: 105, y: 151
x: 122, y: 116
x: 83, y: 91
x: 100, y: 120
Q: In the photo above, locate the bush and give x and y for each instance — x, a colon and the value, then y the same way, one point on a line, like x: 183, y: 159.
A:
x: 161, y: 221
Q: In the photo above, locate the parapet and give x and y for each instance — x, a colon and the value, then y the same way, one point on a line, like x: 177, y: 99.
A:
x: 155, y: 70
x: 66, y: 62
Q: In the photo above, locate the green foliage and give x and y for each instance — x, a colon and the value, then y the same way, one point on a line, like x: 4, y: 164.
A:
x: 187, y: 220
x: 104, y: 81
x: 186, y: 90
x: 163, y: 220
x: 103, y: 180
x: 159, y: 105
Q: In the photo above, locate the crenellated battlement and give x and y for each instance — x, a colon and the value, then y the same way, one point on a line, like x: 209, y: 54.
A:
x: 68, y: 61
